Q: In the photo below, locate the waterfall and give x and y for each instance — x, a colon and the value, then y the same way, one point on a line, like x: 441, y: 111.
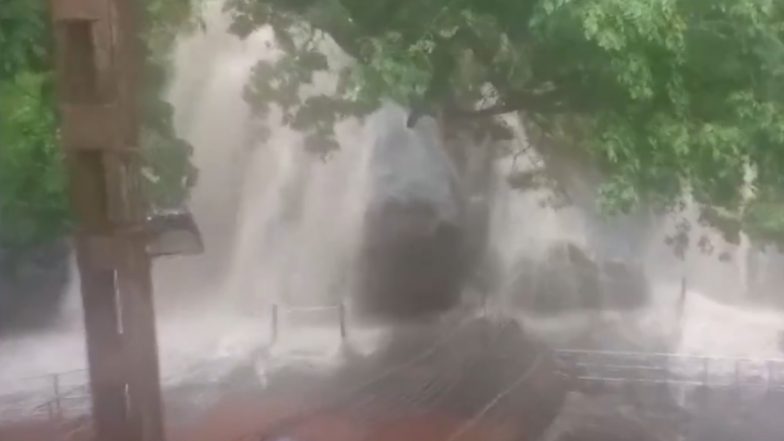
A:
x: 283, y: 226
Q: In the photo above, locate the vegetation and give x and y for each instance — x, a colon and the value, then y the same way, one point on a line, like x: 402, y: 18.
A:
x: 32, y: 196
x: 33, y: 202
x: 673, y: 99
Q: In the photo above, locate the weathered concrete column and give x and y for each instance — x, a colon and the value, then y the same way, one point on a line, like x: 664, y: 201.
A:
x: 97, y: 74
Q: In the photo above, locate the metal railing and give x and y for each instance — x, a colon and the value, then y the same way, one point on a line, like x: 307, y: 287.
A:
x: 675, y: 369
x: 276, y: 311
x: 60, y: 397
x: 59, y: 400
x: 65, y: 396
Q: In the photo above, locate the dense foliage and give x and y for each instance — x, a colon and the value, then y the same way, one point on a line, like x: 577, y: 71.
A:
x: 170, y: 173
x: 33, y: 202
x: 33, y: 206
x: 673, y: 99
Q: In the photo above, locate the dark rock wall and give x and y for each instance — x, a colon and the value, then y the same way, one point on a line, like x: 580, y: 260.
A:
x: 412, y: 258
x: 568, y: 279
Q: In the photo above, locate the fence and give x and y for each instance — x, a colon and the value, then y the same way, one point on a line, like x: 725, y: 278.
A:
x: 65, y: 394
x: 59, y: 401
x: 675, y: 369
x: 337, y: 311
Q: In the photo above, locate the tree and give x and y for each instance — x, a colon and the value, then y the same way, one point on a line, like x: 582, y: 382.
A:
x: 673, y: 99
x: 33, y: 203
x: 170, y: 173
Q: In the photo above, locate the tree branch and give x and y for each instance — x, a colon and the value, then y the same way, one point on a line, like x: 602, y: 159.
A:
x: 546, y: 102
x: 496, y: 109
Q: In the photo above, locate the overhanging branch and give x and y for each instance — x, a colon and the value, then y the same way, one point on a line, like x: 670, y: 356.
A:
x: 547, y: 102
x: 494, y: 110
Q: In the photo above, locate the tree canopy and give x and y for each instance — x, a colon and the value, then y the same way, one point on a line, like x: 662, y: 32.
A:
x: 675, y: 100
x: 33, y: 202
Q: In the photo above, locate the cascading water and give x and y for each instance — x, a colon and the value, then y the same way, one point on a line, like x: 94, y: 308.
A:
x: 298, y: 223
x: 280, y: 225
x: 210, y: 71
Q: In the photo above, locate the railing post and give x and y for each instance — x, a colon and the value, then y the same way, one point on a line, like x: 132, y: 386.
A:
x: 683, y: 288
x: 342, y: 320
x: 57, y: 404
x: 768, y: 376
x: 274, y: 324
x: 667, y: 370
x: 736, y: 389
x: 705, y: 371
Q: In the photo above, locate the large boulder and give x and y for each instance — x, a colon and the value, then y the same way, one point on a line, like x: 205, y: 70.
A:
x: 412, y: 258
x: 567, y: 279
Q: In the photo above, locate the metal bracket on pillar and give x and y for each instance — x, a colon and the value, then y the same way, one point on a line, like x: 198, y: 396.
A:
x: 173, y: 234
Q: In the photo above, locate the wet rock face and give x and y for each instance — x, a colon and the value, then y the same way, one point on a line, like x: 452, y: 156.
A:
x: 625, y: 284
x: 411, y: 259
x: 409, y: 268
x: 567, y: 279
